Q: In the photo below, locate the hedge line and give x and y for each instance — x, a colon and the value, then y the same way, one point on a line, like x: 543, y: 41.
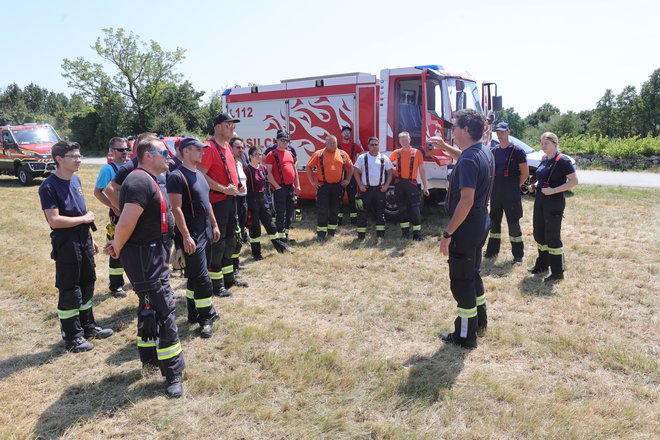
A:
x: 627, y: 148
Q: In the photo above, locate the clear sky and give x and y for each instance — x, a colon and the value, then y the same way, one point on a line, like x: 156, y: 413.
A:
x: 566, y: 52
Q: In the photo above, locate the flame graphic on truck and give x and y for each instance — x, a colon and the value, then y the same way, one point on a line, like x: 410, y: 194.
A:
x: 312, y: 120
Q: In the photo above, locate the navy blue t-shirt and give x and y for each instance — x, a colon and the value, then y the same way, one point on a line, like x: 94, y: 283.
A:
x: 472, y: 170
x: 65, y: 195
x: 552, y: 172
x: 199, y: 191
x: 508, y: 159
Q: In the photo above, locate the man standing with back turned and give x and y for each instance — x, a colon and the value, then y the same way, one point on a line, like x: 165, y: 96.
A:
x: 470, y: 185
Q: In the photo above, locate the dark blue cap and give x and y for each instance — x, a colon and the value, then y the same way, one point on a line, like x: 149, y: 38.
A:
x: 191, y: 141
x: 502, y: 126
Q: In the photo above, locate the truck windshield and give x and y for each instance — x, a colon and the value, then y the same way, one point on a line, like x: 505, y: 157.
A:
x: 468, y: 98
x: 36, y: 135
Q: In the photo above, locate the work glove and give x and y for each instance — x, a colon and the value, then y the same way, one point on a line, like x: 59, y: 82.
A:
x: 149, y: 323
x: 178, y: 259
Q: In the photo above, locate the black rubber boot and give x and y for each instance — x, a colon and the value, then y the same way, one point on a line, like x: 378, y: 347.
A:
x: 493, y: 248
x: 256, y: 251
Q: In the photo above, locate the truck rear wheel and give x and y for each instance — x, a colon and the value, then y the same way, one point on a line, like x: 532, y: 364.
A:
x: 25, y: 177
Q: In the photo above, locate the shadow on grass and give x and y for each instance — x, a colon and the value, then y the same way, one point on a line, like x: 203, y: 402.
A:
x: 497, y: 269
x: 82, y: 403
x: 24, y: 361
x: 431, y: 376
x: 534, y: 286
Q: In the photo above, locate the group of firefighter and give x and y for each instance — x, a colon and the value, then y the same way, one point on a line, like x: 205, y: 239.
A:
x: 201, y: 199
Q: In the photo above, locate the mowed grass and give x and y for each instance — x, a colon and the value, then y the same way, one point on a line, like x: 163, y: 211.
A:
x: 341, y: 340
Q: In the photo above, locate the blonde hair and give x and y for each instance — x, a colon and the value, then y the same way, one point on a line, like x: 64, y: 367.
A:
x: 551, y: 137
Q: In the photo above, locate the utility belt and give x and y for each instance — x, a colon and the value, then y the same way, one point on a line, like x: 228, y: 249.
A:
x: 72, y: 231
x: 164, y: 238
x: 290, y: 185
x: 398, y: 180
x: 329, y: 183
x: 373, y: 188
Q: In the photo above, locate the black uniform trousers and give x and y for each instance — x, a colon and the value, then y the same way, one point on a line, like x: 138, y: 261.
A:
x: 548, y: 214
x: 241, y: 219
x: 115, y: 269
x: 374, y: 203
x: 259, y: 215
x: 351, y: 192
x: 408, y: 199
x: 328, y: 199
x: 505, y: 200
x: 465, y: 279
x: 221, y: 266
x: 147, y: 267
x: 199, y: 290
x: 75, y: 274
x: 283, y: 201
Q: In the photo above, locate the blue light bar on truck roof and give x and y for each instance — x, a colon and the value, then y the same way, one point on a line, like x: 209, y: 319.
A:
x: 430, y: 66
x: 226, y: 92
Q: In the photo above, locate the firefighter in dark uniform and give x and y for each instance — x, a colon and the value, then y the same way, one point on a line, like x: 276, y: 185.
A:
x: 119, y: 157
x: 219, y: 168
x: 63, y: 203
x: 470, y: 185
x: 554, y: 176
x: 238, y: 151
x: 373, y: 172
x: 511, y: 171
x: 196, y: 230
x: 285, y: 185
x: 409, y: 162
x: 256, y: 185
x: 329, y: 170
x: 142, y: 238
x: 353, y: 151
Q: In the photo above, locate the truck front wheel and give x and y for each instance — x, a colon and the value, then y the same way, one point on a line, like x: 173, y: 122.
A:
x: 25, y: 177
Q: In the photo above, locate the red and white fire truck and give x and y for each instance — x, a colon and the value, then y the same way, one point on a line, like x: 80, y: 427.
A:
x: 26, y: 151
x: 420, y: 100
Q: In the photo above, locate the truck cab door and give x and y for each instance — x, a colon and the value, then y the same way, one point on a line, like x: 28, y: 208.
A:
x: 436, y: 113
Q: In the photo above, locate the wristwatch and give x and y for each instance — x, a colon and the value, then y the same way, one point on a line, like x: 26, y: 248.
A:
x: 446, y: 234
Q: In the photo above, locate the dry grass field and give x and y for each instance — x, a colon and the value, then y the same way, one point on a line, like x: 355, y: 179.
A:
x: 341, y: 341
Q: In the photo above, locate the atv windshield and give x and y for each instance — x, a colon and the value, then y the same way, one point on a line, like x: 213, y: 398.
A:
x: 36, y: 135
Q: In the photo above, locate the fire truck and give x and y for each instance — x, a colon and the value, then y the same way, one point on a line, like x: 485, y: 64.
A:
x: 420, y: 100
x: 26, y: 151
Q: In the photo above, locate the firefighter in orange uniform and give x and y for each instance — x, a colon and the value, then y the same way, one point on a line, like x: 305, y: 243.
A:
x: 409, y: 162
x: 353, y: 151
x: 329, y: 170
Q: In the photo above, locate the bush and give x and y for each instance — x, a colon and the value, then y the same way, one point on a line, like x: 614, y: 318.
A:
x: 626, y: 148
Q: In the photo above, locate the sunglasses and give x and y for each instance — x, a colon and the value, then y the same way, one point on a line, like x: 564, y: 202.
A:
x: 121, y: 150
x: 373, y: 145
x: 161, y: 152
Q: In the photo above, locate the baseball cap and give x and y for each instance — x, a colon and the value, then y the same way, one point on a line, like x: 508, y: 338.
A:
x: 346, y: 127
x: 502, y: 126
x: 191, y: 141
x: 282, y: 135
x: 224, y: 117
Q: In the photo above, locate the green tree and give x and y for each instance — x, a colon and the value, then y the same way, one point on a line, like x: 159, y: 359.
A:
x: 649, y: 106
x: 141, y: 72
x: 625, y: 114
x: 514, y: 120
x: 541, y: 115
x: 184, y: 101
x: 602, y: 121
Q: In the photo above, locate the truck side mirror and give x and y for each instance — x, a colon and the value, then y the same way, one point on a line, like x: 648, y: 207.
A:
x: 497, y: 103
x: 460, y: 85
